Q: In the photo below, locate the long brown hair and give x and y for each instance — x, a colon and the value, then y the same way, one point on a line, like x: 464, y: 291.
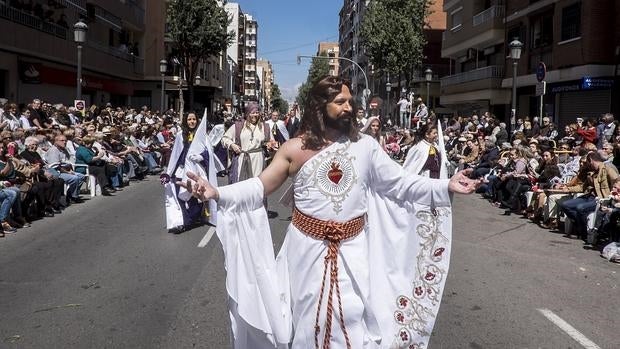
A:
x: 312, y: 127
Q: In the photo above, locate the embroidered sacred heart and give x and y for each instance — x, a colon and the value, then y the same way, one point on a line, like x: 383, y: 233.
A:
x: 335, y: 174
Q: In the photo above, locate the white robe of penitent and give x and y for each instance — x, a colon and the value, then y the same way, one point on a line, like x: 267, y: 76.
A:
x: 174, y: 215
x: 391, y: 275
x: 252, y: 138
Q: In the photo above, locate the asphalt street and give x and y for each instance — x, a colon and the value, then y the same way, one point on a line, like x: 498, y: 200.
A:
x: 106, y: 274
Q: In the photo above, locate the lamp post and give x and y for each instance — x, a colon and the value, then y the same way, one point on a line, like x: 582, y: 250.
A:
x: 388, y: 89
x: 428, y: 74
x: 79, y: 35
x: 366, y: 93
x: 163, y: 67
x: 515, y: 55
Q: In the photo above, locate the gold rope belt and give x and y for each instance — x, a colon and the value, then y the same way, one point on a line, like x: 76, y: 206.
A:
x: 333, y: 233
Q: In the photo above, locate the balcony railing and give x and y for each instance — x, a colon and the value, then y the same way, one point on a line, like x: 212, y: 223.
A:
x: 17, y: 16
x: 493, y: 71
x: 496, y: 11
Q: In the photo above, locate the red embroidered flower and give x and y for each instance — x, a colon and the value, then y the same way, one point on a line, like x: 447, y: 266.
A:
x: 400, y: 317
x: 439, y: 252
x: 403, y: 301
x: 429, y: 276
x: 418, y: 291
x: 404, y: 336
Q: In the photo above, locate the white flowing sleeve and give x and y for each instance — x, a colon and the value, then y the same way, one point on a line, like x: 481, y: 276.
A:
x: 258, y: 304
x: 392, y: 181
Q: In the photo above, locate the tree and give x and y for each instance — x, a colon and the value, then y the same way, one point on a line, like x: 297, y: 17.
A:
x: 318, y: 69
x: 198, y: 29
x: 392, y: 33
x: 277, y: 102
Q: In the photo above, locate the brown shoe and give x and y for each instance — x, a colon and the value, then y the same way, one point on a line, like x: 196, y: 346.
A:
x: 551, y: 225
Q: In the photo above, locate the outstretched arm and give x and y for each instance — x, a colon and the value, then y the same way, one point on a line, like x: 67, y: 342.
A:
x: 276, y: 173
x: 272, y: 177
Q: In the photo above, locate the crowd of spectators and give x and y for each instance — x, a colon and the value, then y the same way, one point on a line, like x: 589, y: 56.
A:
x: 50, y: 153
x: 562, y: 179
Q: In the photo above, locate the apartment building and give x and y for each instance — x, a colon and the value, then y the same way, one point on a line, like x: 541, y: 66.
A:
x: 474, y: 42
x: 331, y: 50
x: 266, y: 79
x: 250, y: 78
x: 236, y: 51
x: 350, y: 20
x: 38, y: 55
x: 578, y: 41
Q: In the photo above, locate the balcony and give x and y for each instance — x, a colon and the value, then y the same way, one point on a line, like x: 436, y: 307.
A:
x: 490, y: 72
x: 484, y: 29
x: 487, y: 15
x: 33, y: 22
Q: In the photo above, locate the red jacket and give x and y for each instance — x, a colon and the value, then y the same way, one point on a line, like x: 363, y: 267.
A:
x: 589, y: 135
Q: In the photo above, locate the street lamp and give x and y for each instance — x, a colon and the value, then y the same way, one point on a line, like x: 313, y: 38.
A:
x: 366, y: 93
x: 197, y: 80
x: 79, y: 35
x: 515, y: 55
x: 429, y: 76
x: 163, y: 67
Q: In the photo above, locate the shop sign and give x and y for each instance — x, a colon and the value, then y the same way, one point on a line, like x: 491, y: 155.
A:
x: 589, y: 83
x: 29, y: 73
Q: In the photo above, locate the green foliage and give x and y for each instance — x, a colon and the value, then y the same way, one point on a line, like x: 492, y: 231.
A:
x: 277, y: 102
x: 198, y: 29
x: 318, y: 69
x: 392, y: 32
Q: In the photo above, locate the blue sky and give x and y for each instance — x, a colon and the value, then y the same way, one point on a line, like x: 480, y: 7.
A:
x: 290, y: 27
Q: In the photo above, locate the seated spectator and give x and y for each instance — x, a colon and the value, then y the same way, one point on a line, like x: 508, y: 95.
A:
x: 58, y: 158
x: 597, y: 184
x: 607, y: 219
x: 53, y: 185
x: 93, y: 157
x: 488, y: 159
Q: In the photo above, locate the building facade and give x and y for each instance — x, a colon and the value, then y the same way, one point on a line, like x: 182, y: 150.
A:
x: 38, y: 55
x: 578, y: 42
x: 250, y: 77
x: 331, y: 50
x: 266, y: 79
x: 236, y: 51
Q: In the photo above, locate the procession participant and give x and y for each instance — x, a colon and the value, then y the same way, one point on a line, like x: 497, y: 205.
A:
x: 180, y: 215
x: 202, y: 161
x: 278, y: 128
x: 360, y: 119
x: 425, y: 158
x: 292, y: 124
x: 247, y: 141
x: 383, y: 289
x: 373, y: 129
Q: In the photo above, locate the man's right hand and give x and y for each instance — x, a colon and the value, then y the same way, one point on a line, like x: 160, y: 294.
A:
x: 235, y: 148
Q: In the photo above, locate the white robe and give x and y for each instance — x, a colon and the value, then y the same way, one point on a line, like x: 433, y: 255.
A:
x: 391, y: 275
x: 251, y: 138
x: 174, y: 215
x: 281, y: 127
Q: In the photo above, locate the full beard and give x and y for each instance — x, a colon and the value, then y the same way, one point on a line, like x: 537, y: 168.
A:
x: 342, y: 123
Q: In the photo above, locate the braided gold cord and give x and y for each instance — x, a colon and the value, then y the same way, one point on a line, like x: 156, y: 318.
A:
x: 333, y: 233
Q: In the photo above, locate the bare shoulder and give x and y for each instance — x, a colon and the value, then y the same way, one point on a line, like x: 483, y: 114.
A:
x: 296, y: 154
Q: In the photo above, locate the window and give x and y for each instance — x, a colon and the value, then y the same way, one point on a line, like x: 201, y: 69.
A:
x: 457, y: 18
x: 571, y: 21
x: 542, y: 31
